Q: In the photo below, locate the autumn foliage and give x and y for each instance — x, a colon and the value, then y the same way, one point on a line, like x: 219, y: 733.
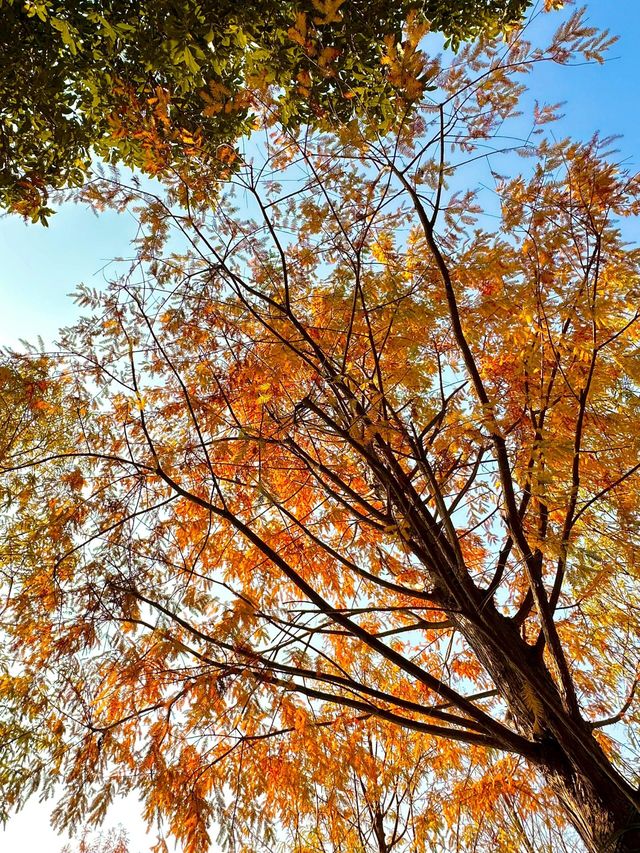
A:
x: 338, y: 545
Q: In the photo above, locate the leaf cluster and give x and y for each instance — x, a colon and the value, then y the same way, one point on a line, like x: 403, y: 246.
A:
x: 139, y: 82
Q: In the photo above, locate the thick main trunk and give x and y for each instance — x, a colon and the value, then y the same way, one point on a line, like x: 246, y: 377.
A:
x: 598, y: 802
x: 599, y: 805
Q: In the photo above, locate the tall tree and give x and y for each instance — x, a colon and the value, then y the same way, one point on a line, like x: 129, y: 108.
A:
x: 92, y: 79
x: 352, y: 497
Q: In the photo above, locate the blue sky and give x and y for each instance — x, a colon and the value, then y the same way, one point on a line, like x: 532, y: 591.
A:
x: 41, y: 266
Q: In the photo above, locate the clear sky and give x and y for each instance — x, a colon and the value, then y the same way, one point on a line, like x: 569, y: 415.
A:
x: 39, y: 267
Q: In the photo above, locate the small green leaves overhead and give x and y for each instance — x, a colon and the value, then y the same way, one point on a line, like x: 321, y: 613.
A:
x: 71, y: 72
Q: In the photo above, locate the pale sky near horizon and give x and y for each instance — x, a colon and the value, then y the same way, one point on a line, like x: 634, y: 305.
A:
x: 39, y: 266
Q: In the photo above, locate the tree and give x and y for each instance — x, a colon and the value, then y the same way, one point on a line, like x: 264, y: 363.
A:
x: 29, y: 403
x: 115, y: 841
x: 83, y: 80
x: 352, y: 497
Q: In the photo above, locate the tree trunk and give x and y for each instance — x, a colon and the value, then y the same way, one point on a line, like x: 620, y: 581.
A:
x: 595, y: 803
x: 598, y: 801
